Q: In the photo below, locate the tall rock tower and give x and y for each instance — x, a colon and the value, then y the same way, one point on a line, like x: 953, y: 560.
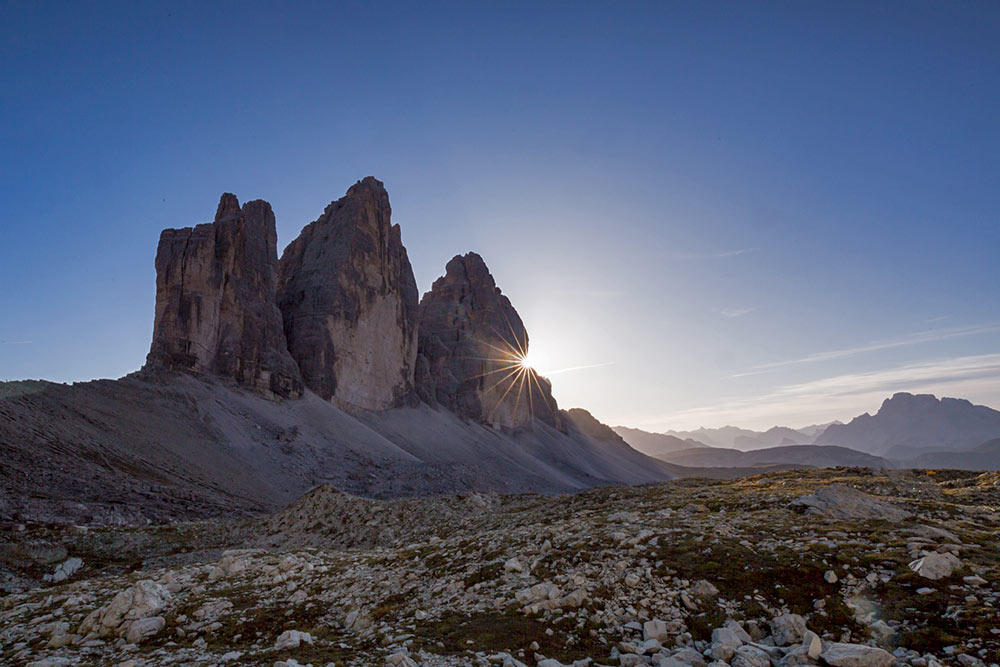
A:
x: 215, y: 301
x: 471, y: 345
x: 349, y: 302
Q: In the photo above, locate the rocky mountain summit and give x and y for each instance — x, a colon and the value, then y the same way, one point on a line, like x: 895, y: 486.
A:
x: 472, y: 342
x: 349, y: 302
x: 842, y: 568
x: 907, y: 425
x: 215, y: 301
x: 339, y: 313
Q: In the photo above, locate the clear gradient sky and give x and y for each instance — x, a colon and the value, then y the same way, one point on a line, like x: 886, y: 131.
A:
x: 745, y: 213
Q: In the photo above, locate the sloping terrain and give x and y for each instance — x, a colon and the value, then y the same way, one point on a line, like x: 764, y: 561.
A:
x: 843, y: 568
x: 806, y: 455
x: 184, y: 447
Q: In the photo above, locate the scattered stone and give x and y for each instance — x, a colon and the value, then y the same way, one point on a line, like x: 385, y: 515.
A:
x: 513, y: 565
x: 143, y: 600
x: 936, y: 565
x: 856, y: 655
x: 292, y: 639
x: 144, y: 628
x: 65, y: 570
x: 750, y: 656
x: 788, y: 629
x: 812, y: 644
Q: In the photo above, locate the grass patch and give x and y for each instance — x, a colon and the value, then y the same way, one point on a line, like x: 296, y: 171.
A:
x: 495, y: 631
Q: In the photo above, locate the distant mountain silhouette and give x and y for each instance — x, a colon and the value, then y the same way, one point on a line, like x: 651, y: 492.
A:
x: 746, y: 439
x: 755, y: 452
x: 984, y: 457
x: 655, y: 444
x: 908, y: 425
x: 773, y: 437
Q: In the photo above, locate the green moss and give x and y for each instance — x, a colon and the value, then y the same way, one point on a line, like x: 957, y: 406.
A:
x: 494, y: 631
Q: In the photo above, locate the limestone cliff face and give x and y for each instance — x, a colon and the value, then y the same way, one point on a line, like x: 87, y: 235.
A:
x: 349, y: 301
x: 215, y: 301
x: 471, y: 342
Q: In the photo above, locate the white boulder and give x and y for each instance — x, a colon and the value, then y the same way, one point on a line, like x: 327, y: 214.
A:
x: 292, y: 639
x: 936, y: 565
x: 856, y: 655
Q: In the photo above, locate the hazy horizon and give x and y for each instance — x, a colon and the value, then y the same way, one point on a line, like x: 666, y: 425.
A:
x: 705, y: 215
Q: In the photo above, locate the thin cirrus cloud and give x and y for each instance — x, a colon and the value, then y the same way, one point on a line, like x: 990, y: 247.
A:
x: 733, y: 313
x: 721, y: 254
x: 569, y: 369
x: 845, y: 396
x: 915, y: 338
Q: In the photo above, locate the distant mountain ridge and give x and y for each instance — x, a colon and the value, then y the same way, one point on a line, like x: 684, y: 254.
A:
x: 908, y: 431
x: 907, y: 425
x: 655, y: 444
x: 734, y: 437
x: 818, y: 456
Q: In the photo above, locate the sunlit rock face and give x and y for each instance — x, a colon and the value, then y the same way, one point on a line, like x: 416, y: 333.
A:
x: 215, y: 301
x: 349, y: 301
x: 471, y: 343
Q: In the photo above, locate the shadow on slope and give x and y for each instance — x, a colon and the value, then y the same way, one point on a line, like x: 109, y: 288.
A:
x: 174, y: 447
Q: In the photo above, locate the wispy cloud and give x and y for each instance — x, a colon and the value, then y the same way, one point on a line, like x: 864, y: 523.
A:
x: 915, y: 338
x: 734, y: 312
x: 604, y: 292
x: 576, y: 368
x: 15, y: 342
x: 844, y: 396
x: 720, y: 254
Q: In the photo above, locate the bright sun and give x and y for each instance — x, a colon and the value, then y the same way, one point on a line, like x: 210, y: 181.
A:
x: 526, y: 362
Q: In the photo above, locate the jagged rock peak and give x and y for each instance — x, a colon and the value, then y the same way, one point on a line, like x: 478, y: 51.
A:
x: 349, y: 302
x: 229, y: 207
x: 471, y: 344
x: 215, y: 301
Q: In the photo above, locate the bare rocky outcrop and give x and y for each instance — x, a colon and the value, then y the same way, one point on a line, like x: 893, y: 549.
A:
x: 133, y: 613
x: 215, y: 301
x: 839, y: 501
x: 472, y: 342
x: 349, y: 301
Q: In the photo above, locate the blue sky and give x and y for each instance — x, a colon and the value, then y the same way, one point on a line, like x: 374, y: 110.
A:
x: 748, y: 213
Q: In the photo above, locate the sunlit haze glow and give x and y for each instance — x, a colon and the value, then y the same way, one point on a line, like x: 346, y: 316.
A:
x: 704, y: 213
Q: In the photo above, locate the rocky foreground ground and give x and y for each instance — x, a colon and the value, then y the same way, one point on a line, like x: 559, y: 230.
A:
x: 849, y: 568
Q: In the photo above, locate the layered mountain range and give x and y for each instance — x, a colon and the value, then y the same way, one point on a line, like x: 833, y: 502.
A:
x: 267, y: 376
x: 908, y: 431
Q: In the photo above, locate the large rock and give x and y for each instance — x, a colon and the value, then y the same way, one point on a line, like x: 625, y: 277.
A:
x: 936, y: 565
x: 750, y: 656
x: 472, y: 342
x: 856, y: 655
x: 349, y: 302
x: 839, y: 501
x: 787, y: 629
x: 215, y: 301
x: 137, y: 606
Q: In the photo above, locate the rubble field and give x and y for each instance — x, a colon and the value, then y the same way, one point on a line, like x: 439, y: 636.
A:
x: 839, y: 567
